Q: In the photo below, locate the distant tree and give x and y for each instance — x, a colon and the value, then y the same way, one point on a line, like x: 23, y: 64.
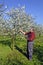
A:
x: 2, y: 20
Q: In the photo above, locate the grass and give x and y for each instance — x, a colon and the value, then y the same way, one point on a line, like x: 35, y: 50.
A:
x: 4, y: 50
x: 18, y: 55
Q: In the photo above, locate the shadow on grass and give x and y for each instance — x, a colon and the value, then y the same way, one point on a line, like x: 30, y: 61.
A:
x: 5, y: 42
x: 20, y: 50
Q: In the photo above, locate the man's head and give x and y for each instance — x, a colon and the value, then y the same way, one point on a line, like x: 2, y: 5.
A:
x: 31, y: 29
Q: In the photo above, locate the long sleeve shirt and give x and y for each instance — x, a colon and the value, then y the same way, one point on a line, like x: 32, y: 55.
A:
x: 30, y: 36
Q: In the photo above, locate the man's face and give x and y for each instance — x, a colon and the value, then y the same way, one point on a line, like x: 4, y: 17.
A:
x: 31, y: 29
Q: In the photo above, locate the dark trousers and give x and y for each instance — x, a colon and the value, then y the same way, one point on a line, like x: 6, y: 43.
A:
x: 29, y: 49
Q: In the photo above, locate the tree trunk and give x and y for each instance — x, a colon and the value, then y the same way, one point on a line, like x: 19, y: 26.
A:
x: 13, y: 39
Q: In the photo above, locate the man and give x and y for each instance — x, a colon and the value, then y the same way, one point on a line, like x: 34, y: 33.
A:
x: 30, y: 39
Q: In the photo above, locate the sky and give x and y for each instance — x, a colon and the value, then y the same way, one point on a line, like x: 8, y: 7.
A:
x: 33, y: 7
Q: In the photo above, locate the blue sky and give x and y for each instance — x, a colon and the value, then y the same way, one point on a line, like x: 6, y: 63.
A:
x: 33, y: 7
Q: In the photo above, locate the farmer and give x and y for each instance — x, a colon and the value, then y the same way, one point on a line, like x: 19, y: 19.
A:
x: 30, y: 41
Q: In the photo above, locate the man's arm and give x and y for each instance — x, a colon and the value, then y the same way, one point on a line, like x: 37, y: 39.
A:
x: 22, y: 31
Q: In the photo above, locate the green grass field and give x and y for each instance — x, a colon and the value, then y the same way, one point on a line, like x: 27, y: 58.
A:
x: 18, y: 55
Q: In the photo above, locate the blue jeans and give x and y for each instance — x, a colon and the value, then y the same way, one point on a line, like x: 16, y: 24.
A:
x: 29, y: 49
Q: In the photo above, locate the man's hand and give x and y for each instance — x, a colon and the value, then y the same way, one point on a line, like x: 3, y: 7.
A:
x: 22, y: 31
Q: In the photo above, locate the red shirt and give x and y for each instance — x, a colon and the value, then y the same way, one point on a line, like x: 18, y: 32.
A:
x: 30, y: 36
